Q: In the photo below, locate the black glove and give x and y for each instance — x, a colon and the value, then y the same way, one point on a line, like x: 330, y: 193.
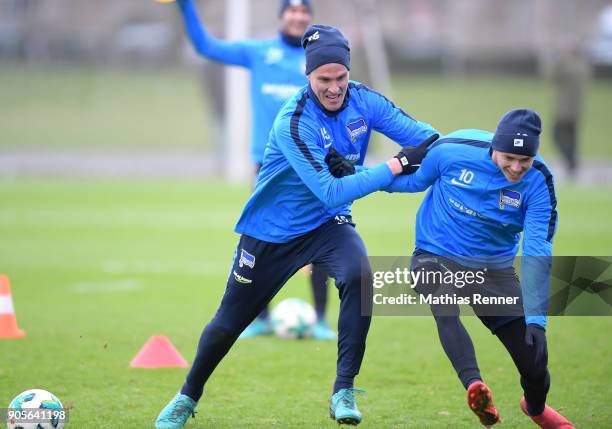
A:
x: 535, y: 336
x: 338, y: 165
x: 410, y: 157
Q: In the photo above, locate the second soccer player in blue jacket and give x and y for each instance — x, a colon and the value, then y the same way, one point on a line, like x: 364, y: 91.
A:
x: 485, y: 190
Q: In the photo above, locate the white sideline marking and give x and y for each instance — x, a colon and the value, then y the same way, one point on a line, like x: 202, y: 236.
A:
x: 165, y: 267
x: 125, y: 285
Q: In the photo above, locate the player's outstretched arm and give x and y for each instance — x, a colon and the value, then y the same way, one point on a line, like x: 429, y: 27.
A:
x: 233, y: 53
x: 408, y: 161
x: 539, y: 229
x: 307, y: 157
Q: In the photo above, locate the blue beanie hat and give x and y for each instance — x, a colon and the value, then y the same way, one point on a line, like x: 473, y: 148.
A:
x: 286, y: 3
x: 518, y: 132
x: 325, y: 45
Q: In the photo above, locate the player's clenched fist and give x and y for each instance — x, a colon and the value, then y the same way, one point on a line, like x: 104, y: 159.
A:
x: 338, y: 165
x: 410, y: 157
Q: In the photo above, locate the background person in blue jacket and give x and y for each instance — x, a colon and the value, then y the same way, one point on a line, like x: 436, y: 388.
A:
x: 485, y: 189
x: 300, y: 213
x: 277, y: 72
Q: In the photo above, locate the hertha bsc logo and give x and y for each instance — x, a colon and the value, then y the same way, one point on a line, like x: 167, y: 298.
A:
x: 246, y: 259
x: 357, y: 128
x: 509, y: 197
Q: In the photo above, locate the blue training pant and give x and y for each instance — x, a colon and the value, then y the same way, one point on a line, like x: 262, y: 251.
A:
x: 259, y: 271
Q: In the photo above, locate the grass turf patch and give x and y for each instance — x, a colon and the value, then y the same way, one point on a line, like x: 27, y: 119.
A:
x: 98, y: 267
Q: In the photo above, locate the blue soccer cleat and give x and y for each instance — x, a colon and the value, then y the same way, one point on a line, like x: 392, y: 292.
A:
x: 175, y: 414
x: 322, y: 331
x: 343, y: 409
x: 257, y: 328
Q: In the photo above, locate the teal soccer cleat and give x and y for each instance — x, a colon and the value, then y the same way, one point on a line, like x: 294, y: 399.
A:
x: 258, y: 327
x: 175, y: 414
x: 322, y: 331
x: 343, y: 409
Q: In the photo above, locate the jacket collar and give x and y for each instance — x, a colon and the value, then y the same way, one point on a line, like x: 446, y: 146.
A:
x: 294, y: 42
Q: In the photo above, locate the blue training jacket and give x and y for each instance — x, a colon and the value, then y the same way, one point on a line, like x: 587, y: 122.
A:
x: 277, y: 71
x: 295, y: 192
x: 472, y: 210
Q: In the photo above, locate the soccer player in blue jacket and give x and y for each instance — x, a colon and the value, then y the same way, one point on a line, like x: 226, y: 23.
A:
x: 484, y: 190
x: 300, y: 213
x: 277, y: 72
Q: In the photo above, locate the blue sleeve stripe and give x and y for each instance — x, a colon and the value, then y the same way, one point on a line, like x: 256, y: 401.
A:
x: 469, y: 142
x: 552, y: 223
x: 367, y: 88
x: 295, y: 133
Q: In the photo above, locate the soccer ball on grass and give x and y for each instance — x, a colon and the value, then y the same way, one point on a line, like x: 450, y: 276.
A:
x: 293, y: 318
x: 36, y: 409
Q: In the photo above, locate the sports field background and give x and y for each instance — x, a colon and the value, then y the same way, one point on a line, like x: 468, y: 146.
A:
x: 97, y: 266
x: 59, y: 107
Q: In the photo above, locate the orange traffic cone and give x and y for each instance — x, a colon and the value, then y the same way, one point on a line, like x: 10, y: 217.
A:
x: 8, y: 321
x: 158, y: 352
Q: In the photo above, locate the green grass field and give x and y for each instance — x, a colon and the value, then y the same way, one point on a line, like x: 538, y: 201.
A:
x: 84, y: 109
x: 98, y: 267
